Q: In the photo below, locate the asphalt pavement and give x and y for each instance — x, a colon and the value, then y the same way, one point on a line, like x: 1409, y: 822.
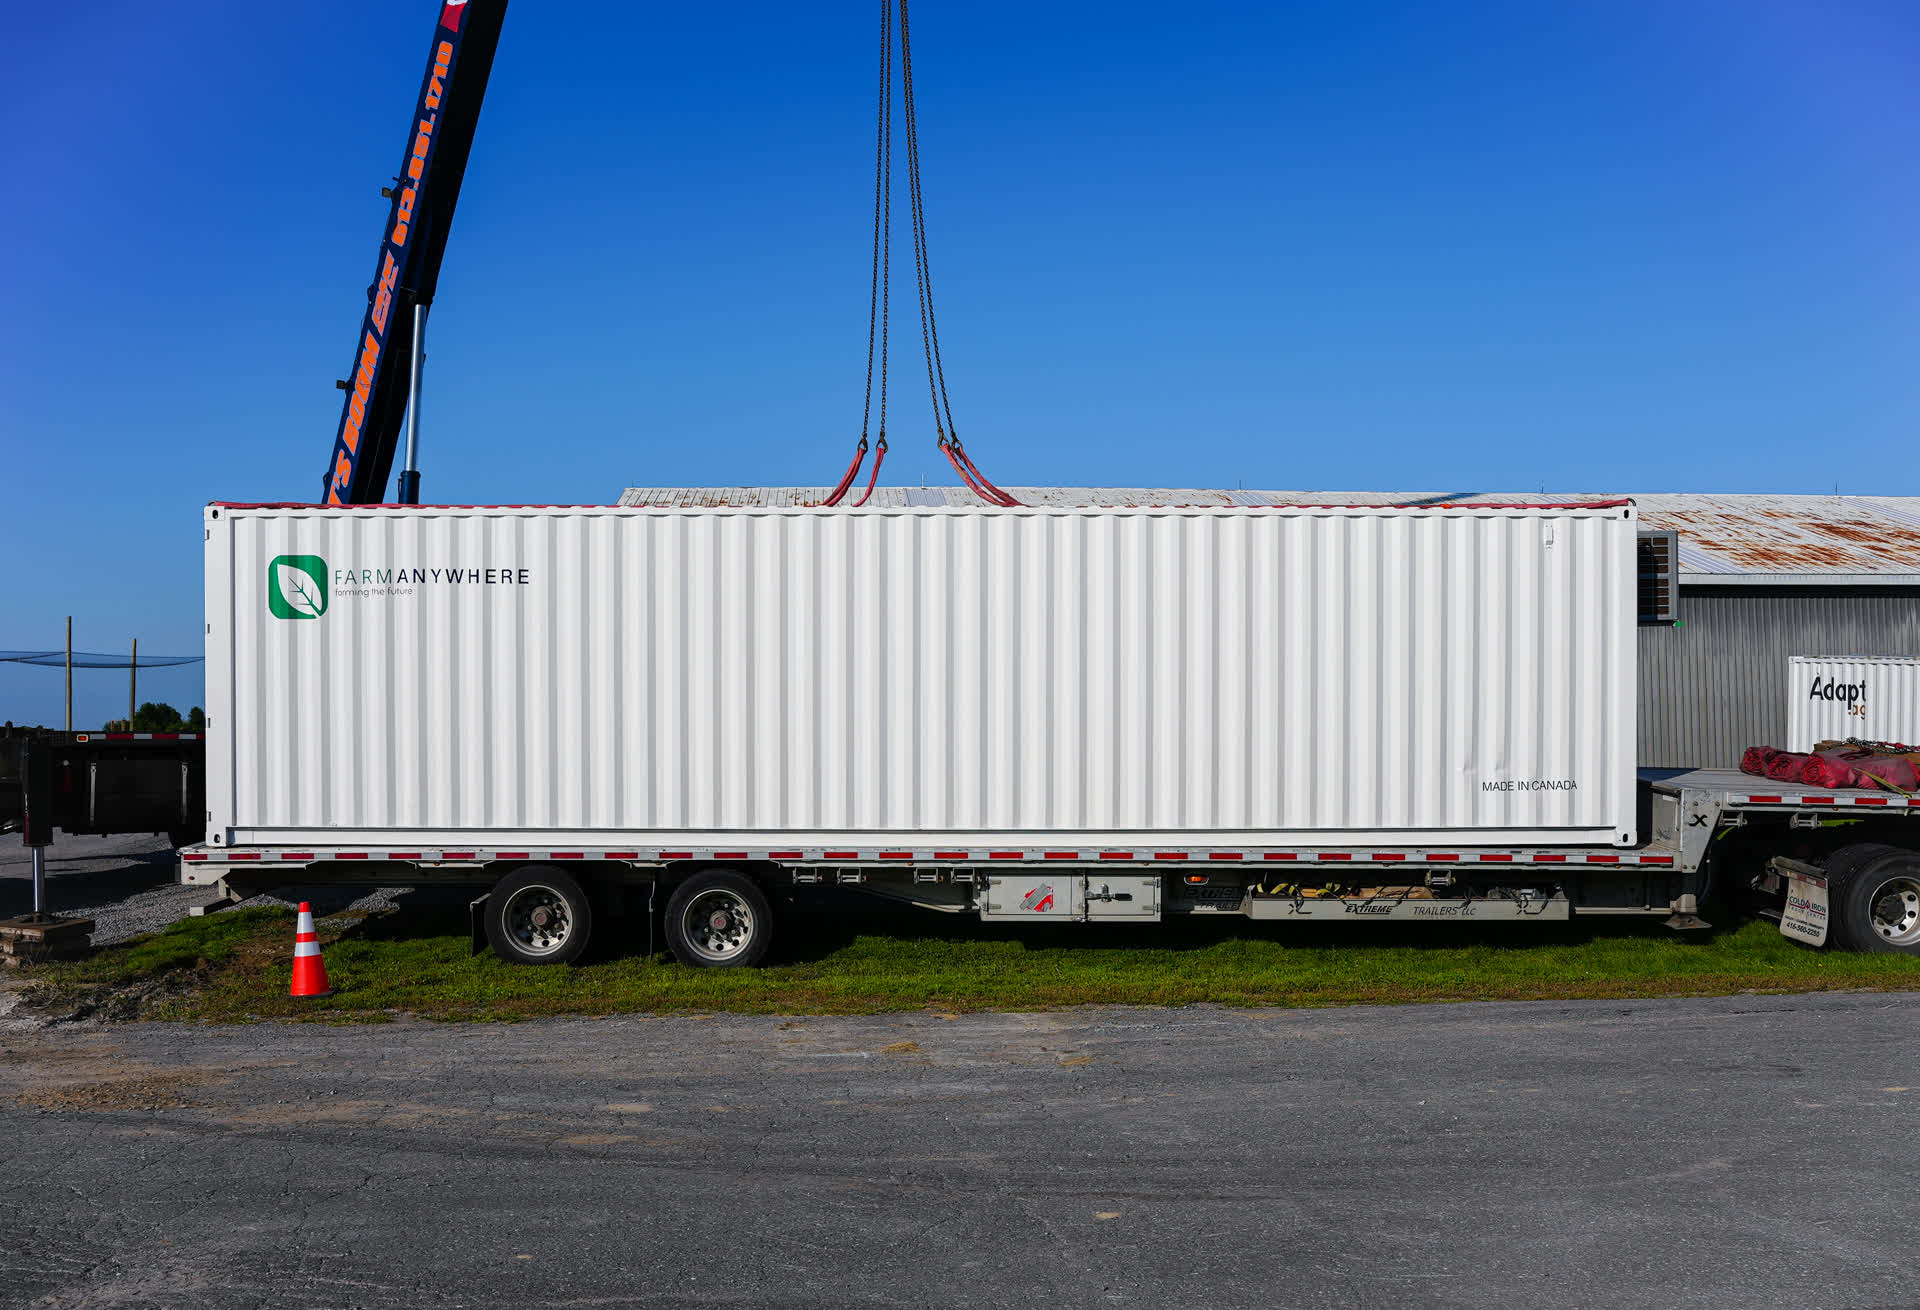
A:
x: 1741, y: 1152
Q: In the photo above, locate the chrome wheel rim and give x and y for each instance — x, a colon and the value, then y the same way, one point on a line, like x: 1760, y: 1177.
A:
x: 718, y: 924
x: 1894, y: 909
x: 538, y: 919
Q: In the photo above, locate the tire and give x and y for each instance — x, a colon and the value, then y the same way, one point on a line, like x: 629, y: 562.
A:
x: 1874, y: 892
x: 538, y: 915
x: 719, y: 919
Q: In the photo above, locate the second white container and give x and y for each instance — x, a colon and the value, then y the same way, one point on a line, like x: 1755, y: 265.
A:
x: 1873, y: 698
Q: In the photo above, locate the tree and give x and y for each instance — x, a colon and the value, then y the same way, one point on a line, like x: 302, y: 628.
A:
x: 162, y: 717
x: 156, y: 717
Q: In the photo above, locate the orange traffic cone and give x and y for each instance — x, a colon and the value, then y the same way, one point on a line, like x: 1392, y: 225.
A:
x: 309, y: 970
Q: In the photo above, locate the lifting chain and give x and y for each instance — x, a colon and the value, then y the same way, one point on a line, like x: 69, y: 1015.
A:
x: 878, y: 306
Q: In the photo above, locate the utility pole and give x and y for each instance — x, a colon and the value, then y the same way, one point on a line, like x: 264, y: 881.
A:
x: 69, y: 673
x: 133, y: 673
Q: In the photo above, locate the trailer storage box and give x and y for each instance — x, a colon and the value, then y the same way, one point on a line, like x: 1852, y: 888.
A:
x: 1867, y: 697
x: 810, y: 678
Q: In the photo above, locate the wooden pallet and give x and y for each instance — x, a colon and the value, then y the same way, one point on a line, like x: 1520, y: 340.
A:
x: 34, y: 938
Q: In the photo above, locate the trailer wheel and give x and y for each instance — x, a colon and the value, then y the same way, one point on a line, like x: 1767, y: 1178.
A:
x: 538, y: 915
x: 719, y: 919
x: 1876, y: 899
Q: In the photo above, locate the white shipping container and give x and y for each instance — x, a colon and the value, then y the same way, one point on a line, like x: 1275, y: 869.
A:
x: 1872, y: 698
x: 760, y: 678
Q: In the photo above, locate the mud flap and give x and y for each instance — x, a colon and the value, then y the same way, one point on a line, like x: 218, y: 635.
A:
x: 1804, y: 918
x: 477, y: 922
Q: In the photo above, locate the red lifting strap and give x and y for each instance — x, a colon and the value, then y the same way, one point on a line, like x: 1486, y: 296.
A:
x: 879, y: 458
x: 853, y: 471
x: 970, y: 474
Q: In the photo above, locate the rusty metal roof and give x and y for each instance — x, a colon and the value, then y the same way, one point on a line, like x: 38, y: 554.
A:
x: 1724, y: 539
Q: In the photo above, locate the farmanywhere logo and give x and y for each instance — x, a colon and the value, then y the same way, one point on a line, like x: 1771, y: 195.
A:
x: 297, y: 587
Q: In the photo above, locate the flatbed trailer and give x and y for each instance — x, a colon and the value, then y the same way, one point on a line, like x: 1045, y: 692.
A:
x: 1289, y: 712
x: 106, y: 782
x: 1708, y: 829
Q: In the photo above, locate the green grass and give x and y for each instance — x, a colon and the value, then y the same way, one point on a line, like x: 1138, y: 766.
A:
x: 852, y: 958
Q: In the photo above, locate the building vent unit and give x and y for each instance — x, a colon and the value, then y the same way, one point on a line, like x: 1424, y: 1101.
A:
x: 1658, y: 554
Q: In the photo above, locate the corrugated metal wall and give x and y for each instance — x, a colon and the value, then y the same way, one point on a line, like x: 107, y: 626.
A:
x: 1718, y: 683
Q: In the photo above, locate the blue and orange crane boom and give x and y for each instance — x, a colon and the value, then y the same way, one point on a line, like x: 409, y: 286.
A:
x: 381, y: 387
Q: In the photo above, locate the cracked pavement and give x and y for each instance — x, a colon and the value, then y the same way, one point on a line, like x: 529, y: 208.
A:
x: 1737, y: 1152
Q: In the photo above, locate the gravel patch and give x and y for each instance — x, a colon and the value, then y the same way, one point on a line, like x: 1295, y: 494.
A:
x: 127, y: 884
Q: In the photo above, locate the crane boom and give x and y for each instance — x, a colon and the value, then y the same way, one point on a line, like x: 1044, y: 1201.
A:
x: 425, y: 191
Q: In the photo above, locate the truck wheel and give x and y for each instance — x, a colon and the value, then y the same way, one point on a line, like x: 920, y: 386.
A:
x: 719, y: 920
x: 538, y: 915
x: 1875, y: 892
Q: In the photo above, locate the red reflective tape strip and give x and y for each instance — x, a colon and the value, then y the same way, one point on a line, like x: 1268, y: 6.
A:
x: 1116, y: 855
x: 512, y: 855
x: 1443, y: 857
x: 1389, y: 857
x: 786, y: 855
x: 1495, y: 857
x: 949, y: 855
x: 1062, y: 855
x: 896, y: 855
x: 1332, y: 855
x: 1280, y: 855
x: 192, y: 858
x: 1656, y: 859
x: 243, y: 855
x: 457, y: 855
x: 1870, y: 800
x: 404, y: 855
x: 619, y: 855
x: 1544, y: 858
x: 296, y: 855
x: 1818, y: 800
x: 1763, y: 800
x: 1225, y: 855
x: 1603, y: 859
x: 729, y: 855
x: 349, y: 855
x: 1006, y: 855
x: 562, y: 855
x: 825, y: 855
x: 676, y: 855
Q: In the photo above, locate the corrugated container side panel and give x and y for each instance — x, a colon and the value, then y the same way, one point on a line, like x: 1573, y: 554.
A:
x: 1225, y: 675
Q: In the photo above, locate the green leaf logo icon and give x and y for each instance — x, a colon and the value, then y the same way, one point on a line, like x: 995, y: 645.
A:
x: 297, y: 587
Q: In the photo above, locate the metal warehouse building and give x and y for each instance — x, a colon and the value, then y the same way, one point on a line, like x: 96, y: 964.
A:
x: 1762, y: 578
x: 1756, y: 579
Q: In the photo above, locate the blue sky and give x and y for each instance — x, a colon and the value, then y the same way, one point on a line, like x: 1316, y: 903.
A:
x: 1367, y: 245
